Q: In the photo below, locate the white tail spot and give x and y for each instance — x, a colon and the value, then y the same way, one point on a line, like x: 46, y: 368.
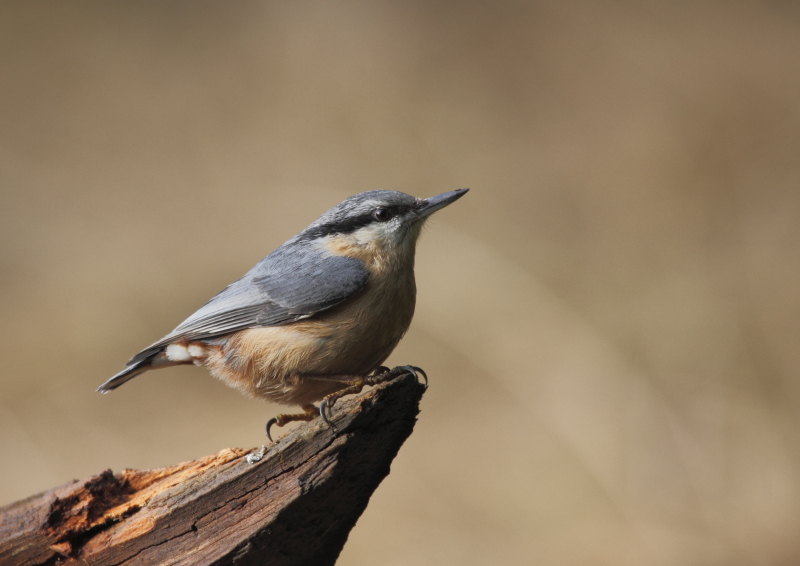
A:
x: 197, y: 351
x: 178, y: 353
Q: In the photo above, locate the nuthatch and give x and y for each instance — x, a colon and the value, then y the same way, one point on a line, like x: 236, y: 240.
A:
x: 316, y: 318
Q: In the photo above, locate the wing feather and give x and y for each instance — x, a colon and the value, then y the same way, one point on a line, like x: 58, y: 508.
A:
x: 296, y: 281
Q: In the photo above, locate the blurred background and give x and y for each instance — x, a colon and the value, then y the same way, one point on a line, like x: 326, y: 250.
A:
x: 610, y: 319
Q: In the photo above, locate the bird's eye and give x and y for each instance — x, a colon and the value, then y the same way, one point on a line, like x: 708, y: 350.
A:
x: 381, y: 215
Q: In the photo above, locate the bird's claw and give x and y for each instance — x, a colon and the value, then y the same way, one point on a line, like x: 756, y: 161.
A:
x: 383, y: 374
x: 271, y: 422
x: 414, y: 370
x: 323, y: 410
x: 309, y: 412
x: 325, y: 413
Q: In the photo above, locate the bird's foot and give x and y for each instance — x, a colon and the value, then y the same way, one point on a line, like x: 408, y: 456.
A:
x: 380, y: 375
x: 355, y: 386
x: 309, y: 413
x: 352, y: 385
x: 385, y: 374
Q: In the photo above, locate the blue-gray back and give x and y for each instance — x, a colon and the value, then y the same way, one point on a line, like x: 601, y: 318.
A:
x: 297, y: 280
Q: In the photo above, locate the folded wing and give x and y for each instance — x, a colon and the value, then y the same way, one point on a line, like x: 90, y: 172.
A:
x: 296, y: 281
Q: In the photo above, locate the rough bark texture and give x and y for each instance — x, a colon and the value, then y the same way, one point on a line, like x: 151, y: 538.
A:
x: 295, y: 506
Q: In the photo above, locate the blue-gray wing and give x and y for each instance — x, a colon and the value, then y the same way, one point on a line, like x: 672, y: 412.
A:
x: 296, y: 281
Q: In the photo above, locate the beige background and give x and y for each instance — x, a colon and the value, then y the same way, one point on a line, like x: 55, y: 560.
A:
x: 609, y: 319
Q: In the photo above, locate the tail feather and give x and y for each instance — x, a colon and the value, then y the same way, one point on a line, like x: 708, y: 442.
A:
x: 125, y: 375
x: 138, y: 365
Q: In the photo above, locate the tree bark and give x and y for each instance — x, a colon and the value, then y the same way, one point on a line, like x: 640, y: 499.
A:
x: 294, y: 506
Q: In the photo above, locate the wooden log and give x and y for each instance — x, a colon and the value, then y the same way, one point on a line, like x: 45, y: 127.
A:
x: 296, y: 505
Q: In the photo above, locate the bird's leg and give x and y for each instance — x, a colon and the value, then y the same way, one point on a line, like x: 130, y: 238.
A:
x: 309, y: 412
x: 355, y: 385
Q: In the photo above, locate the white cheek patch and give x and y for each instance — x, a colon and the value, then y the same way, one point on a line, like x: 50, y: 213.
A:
x: 178, y: 353
x: 381, y: 234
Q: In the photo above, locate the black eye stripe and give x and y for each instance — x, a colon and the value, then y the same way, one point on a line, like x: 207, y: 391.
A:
x: 350, y: 225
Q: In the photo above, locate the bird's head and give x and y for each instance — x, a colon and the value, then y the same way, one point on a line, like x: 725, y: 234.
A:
x: 383, y: 221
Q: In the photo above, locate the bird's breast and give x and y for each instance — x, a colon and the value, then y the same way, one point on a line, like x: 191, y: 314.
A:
x: 362, y: 331
x: 367, y: 328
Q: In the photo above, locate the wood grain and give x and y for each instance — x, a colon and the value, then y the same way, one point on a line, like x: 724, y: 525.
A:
x: 297, y: 505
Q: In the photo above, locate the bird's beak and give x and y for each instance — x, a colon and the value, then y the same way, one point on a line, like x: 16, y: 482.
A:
x: 430, y: 205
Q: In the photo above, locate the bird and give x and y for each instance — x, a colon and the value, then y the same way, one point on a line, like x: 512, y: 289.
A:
x: 315, y: 319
